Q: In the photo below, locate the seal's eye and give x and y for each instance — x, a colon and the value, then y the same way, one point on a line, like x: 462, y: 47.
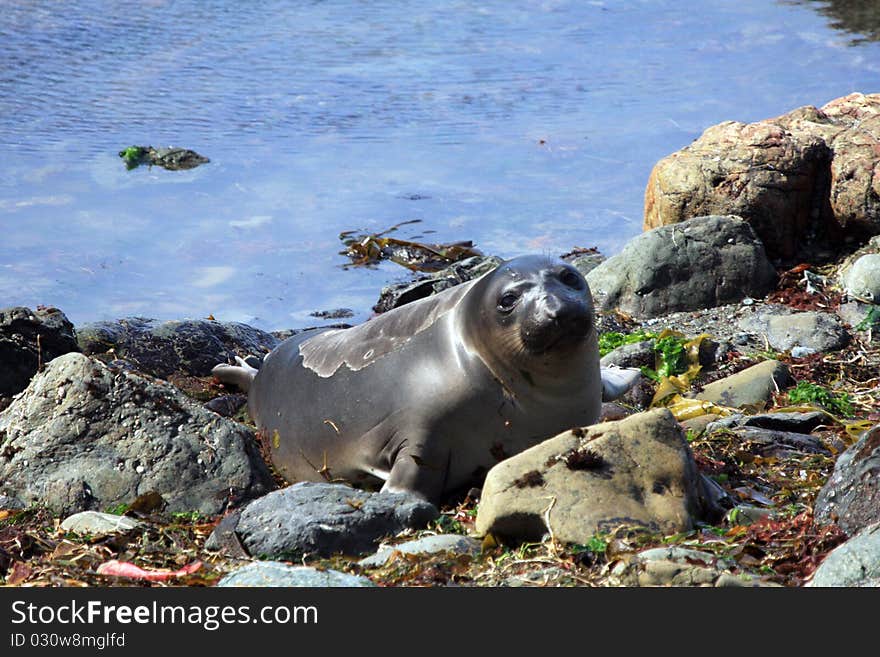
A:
x: 507, y: 301
x: 570, y: 278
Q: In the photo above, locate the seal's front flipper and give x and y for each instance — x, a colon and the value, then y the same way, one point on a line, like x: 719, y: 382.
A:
x: 239, y: 375
x: 419, y: 474
x: 617, y: 380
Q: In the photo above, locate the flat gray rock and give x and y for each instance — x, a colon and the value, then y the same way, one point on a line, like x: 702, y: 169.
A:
x: 98, y: 524
x: 452, y: 543
x: 854, y: 563
x: 85, y: 436
x: 809, y: 331
x: 190, y: 346
x: 675, y: 553
x: 322, y: 519
x: 274, y: 573
x: 790, y: 421
x: 768, y: 442
x: 700, y: 263
x: 753, y: 386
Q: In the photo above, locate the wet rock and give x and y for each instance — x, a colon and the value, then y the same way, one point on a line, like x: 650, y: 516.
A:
x: 786, y: 330
x: 862, y: 280
x: 753, y: 386
x: 322, y: 519
x: 85, y: 436
x: 98, y: 524
x: 191, y: 346
x: 28, y: 340
x: 638, y: 472
x: 450, y: 543
x: 851, y: 496
x: 774, y: 179
x: 705, y: 262
x: 274, y: 573
x: 399, y: 294
x: 790, y: 421
x: 853, y: 563
x: 172, y: 158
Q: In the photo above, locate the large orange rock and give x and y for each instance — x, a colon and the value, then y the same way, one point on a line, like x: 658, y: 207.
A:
x: 806, y: 175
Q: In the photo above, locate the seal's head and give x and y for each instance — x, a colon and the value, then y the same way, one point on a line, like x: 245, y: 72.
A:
x: 538, y: 312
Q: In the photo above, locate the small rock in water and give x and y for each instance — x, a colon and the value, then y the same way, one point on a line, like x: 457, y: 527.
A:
x: 338, y: 313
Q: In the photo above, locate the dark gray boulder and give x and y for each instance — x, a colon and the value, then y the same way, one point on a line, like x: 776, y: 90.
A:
x: 700, y: 263
x: 28, y: 340
x: 851, y: 496
x: 321, y: 519
x: 190, y: 346
x: 87, y: 436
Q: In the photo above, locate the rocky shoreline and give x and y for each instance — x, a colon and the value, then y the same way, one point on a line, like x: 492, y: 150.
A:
x: 749, y: 454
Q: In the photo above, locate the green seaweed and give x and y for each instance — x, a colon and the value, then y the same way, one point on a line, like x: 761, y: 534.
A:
x: 612, y: 340
x: 134, y: 156
x: 872, y: 318
x: 810, y: 393
x: 673, y: 357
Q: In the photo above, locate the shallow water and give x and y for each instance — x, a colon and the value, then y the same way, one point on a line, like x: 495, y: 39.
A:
x: 524, y: 126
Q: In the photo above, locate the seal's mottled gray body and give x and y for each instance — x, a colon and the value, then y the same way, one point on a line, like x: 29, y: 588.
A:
x: 428, y: 396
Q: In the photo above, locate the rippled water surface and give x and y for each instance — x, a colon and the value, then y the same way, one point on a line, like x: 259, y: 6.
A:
x: 524, y: 126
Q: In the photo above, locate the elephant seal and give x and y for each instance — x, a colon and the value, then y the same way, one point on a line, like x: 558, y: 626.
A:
x: 428, y: 396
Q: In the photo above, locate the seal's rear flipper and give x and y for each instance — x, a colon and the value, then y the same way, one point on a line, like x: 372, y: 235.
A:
x: 239, y: 375
x: 617, y: 380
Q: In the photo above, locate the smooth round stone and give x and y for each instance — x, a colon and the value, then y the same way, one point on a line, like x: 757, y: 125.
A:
x: 98, y: 524
x: 275, y: 573
x: 454, y: 543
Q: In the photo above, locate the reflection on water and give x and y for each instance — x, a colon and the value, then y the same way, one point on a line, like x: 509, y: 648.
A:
x: 524, y: 126
x: 859, y: 17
